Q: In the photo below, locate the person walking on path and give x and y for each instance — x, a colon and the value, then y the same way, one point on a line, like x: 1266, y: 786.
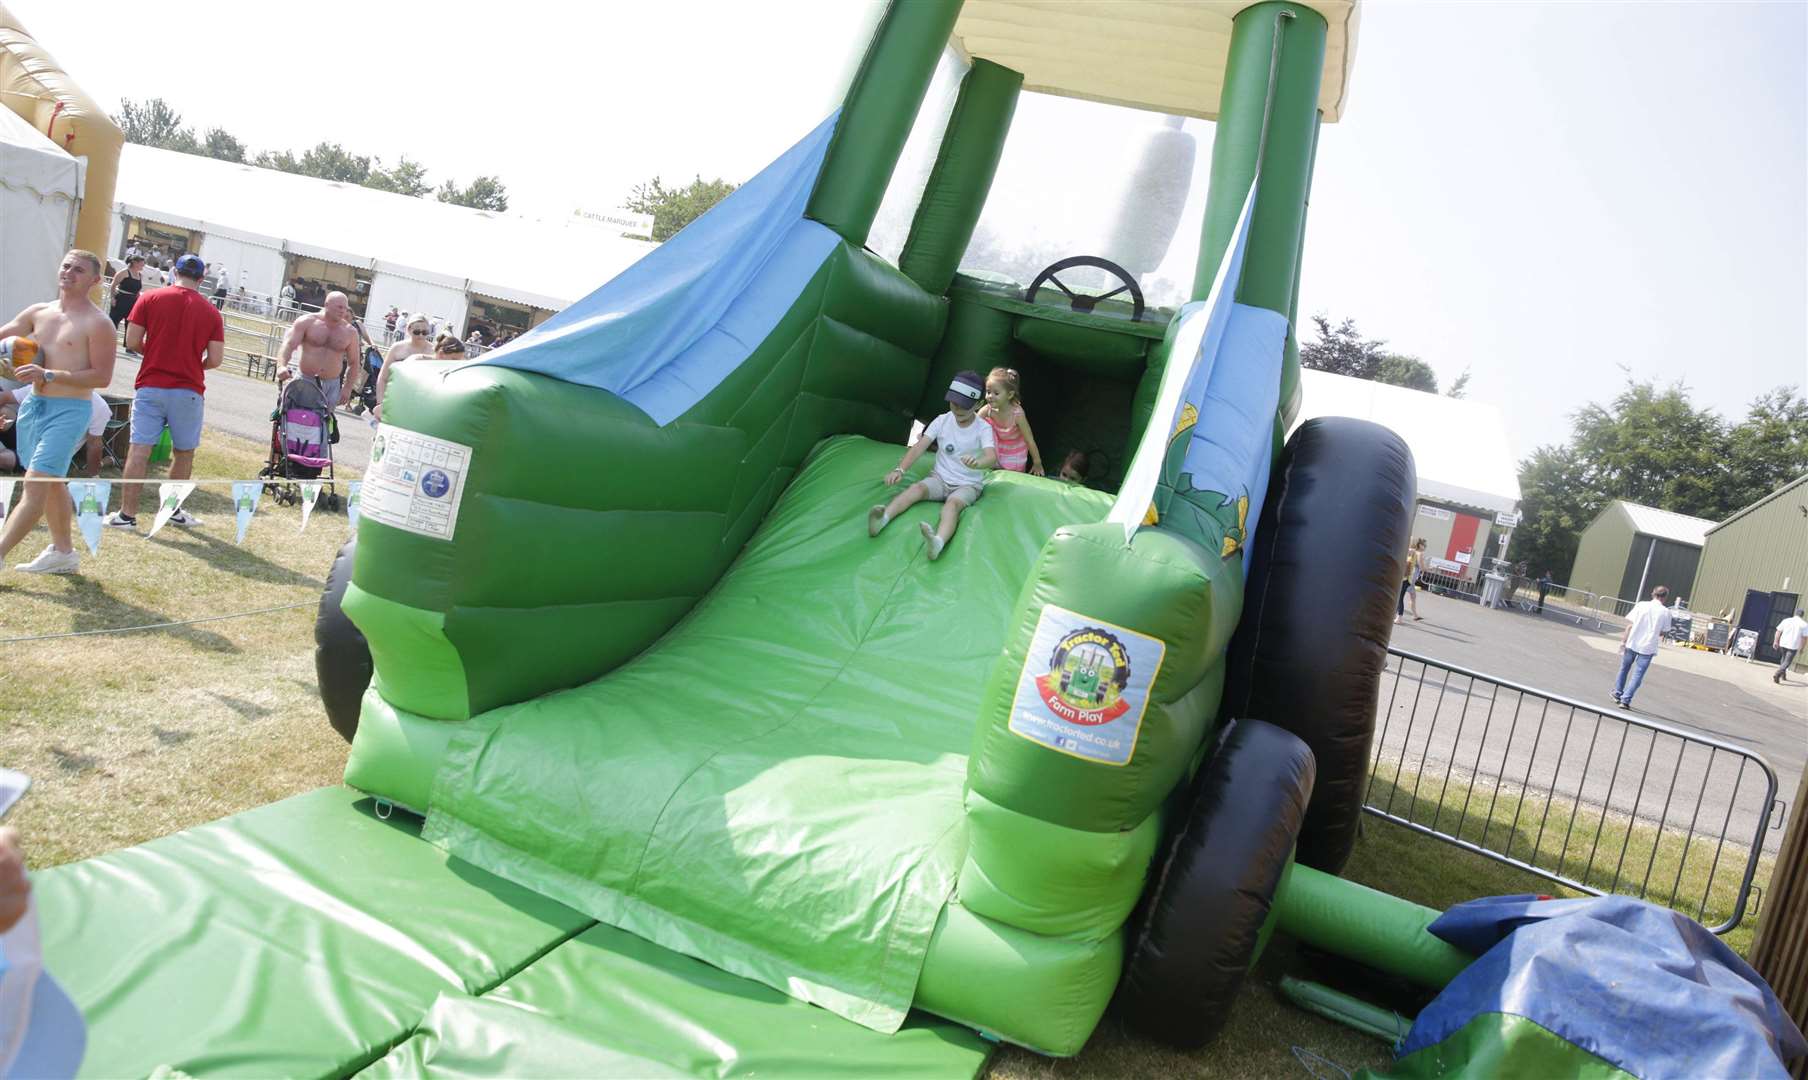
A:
x: 64, y: 351
x: 328, y: 342
x: 1646, y: 625
x: 182, y: 337
x: 1788, y: 638
x: 126, y: 285
x: 1544, y: 587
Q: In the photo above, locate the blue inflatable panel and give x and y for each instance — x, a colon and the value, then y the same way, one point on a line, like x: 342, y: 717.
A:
x: 667, y: 330
x: 1640, y: 986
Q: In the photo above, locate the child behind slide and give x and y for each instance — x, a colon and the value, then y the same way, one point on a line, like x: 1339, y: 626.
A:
x: 966, y: 448
x: 1003, y: 411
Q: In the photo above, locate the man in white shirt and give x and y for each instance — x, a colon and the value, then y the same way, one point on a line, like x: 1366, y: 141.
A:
x: 1646, y: 625
x: 1788, y: 638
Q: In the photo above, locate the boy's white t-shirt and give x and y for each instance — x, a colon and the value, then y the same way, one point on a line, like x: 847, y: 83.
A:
x: 955, y: 442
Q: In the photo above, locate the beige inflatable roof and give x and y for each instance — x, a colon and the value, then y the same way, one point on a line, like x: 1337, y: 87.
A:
x: 1168, y: 57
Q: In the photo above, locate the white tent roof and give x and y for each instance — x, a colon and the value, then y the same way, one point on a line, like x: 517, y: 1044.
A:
x: 40, y: 195
x: 1168, y: 57
x: 522, y: 260
x: 1459, y: 446
x: 1667, y: 526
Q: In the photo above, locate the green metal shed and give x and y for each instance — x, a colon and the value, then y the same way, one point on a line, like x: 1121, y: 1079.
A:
x: 1764, y: 547
x: 1630, y: 549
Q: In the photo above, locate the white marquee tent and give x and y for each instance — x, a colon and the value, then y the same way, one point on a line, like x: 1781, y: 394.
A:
x: 1459, y: 446
x: 40, y: 194
x: 420, y: 254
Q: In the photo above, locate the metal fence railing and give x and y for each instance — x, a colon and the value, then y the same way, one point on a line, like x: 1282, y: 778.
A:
x: 1603, y: 802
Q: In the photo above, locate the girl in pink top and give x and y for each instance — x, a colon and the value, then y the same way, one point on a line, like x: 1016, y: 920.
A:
x: 1010, y: 427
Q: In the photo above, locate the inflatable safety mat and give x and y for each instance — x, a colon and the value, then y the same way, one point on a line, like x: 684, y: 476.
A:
x: 610, y: 1004
x: 300, y: 939
x: 775, y: 786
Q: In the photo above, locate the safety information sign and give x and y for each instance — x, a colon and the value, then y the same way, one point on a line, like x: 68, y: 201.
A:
x: 1084, y: 686
x: 415, y: 482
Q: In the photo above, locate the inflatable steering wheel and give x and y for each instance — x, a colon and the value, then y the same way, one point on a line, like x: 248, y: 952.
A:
x: 1083, y: 302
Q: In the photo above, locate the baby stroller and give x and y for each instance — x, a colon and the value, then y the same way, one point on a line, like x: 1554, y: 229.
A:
x: 301, y: 443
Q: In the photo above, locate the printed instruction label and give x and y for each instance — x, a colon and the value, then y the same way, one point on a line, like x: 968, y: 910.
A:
x: 1085, y: 686
x: 415, y: 482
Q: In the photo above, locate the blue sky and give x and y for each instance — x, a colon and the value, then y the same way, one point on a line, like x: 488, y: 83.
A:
x: 1543, y: 193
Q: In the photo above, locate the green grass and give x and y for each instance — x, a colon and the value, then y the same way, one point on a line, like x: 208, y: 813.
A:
x: 132, y: 736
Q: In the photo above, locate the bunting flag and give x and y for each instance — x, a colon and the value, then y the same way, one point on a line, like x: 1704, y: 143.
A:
x: 353, y: 493
x: 310, y: 493
x: 169, y: 500
x: 6, y: 496
x: 90, y: 499
x: 245, y: 496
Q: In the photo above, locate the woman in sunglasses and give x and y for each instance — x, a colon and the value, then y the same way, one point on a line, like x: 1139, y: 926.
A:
x: 418, y: 342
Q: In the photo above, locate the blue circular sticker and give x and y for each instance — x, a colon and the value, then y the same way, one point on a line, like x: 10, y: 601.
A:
x: 435, y: 484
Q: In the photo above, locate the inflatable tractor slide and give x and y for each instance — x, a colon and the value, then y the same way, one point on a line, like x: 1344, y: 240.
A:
x: 666, y: 767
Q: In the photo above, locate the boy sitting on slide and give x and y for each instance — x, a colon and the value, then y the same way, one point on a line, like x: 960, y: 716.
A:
x: 966, y: 448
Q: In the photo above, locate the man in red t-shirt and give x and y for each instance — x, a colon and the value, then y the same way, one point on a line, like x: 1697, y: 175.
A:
x: 181, y: 336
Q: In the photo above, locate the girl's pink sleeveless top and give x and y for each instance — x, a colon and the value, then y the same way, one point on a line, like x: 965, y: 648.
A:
x: 1013, y: 451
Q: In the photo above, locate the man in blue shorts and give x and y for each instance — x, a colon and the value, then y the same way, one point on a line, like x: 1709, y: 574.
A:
x: 64, y: 350
x: 182, y: 337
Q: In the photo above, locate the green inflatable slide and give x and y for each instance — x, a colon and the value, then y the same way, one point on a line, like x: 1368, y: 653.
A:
x: 665, y: 766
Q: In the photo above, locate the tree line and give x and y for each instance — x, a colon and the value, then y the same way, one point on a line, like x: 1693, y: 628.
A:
x: 155, y: 123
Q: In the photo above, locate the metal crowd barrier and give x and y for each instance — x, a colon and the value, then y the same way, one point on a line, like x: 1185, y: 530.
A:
x: 1602, y: 802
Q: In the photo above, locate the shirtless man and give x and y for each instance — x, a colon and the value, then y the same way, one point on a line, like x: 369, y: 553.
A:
x: 329, y: 349
x: 419, y: 342
x: 74, y: 358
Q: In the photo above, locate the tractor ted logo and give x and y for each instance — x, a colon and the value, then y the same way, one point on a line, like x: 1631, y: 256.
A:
x: 1084, y: 686
x: 1087, y: 674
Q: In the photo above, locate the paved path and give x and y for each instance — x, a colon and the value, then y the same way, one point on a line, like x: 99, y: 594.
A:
x: 241, y: 405
x: 1436, y: 726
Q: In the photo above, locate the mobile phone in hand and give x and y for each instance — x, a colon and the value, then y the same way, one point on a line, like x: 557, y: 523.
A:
x: 12, y: 788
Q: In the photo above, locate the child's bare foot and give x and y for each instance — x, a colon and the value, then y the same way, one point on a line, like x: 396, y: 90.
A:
x: 876, y: 519
x: 930, y: 538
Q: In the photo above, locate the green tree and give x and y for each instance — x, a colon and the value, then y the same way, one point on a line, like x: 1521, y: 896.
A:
x: 1459, y: 388
x: 1342, y: 350
x: 1408, y: 371
x: 674, y: 208
x: 407, y: 178
x: 219, y: 143
x: 1653, y: 446
x: 155, y: 123
x: 483, y: 193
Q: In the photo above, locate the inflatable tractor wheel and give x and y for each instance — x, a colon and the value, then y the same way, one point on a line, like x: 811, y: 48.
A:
x: 341, y: 655
x: 1324, y: 577
x: 1203, y: 922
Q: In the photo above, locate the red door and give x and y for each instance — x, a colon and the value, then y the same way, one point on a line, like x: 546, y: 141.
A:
x: 1462, y: 539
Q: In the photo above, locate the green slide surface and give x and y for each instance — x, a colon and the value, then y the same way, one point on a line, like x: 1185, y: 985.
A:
x: 610, y: 1004
x: 777, y: 785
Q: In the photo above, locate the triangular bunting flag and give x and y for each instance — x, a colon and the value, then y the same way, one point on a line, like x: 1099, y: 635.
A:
x: 6, y: 496
x: 353, y: 493
x: 245, y: 496
x: 90, y: 499
x: 310, y: 493
x: 169, y: 500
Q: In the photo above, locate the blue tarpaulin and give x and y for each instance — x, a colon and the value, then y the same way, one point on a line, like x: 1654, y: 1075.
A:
x: 1639, y: 986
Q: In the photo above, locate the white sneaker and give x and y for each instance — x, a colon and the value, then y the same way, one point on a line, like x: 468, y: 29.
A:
x: 184, y: 519
x: 118, y: 520
x: 51, y: 561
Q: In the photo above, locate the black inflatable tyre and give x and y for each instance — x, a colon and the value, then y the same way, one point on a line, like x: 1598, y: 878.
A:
x: 1318, y: 610
x: 341, y: 655
x: 1212, y: 893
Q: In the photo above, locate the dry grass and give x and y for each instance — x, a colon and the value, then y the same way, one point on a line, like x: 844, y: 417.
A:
x: 132, y: 736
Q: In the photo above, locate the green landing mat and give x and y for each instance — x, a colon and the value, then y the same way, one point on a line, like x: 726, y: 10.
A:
x: 610, y: 1004
x: 775, y: 787
x: 300, y: 939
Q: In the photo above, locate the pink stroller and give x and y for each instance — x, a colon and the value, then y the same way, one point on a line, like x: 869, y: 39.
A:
x: 301, y: 442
